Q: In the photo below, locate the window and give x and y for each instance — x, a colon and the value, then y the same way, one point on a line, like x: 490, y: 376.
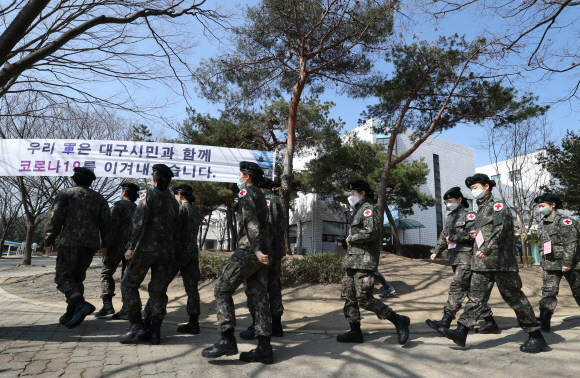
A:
x: 496, y: 178
x: 331, y: 231
x: 515, y: 175
x: 292, y: 233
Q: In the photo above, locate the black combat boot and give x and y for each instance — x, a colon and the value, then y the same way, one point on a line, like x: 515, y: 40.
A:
x: 121, y: 315
x: 82, y: 310
x: 459, y: 335
x: 353, y: 336
x: 263, y: 353
x: 146, y: 319
x: 249, y: 333
x: 227, y: 346
x: 67, y: 316
x: 445, y: 322
x: 136, y: 329
x: 107, y: 307
x: 402, y: 323
x: 277, y: 330
x: 490, y: 326
x: 153, y: 334
x: 192, y: 327
x: 545, y: 318
x: 535, y: 343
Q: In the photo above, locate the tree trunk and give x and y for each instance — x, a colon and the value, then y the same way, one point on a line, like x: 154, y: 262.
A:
x: 395, y: 235
x: 206, y: 229
x: 2, y: 239
x: 526, y: 261
x: 30, y: 230
x: 288, y: 175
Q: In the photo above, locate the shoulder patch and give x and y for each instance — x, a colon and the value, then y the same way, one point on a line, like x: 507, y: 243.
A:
x: 367, y: 213
x: 242, y: 193
x: 143, y: 195
x: 471, y: 216
x: 567, y: 221
x: 268, y: 202
x: 498, y: 206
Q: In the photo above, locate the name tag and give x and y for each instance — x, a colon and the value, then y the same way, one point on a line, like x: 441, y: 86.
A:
x: 451, y: 245
x: 479, y: 239
x: 547, y: 247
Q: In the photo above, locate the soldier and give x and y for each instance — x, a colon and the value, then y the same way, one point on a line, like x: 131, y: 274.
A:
x: 361, y: 262
x: 249, y: 262
x: 276, y: 228
x: 80, y: 216
x: 455, y: 238
x: 558, y: 249
x: 150, y: 247
x: 121, y: 215
x: 495, y: 262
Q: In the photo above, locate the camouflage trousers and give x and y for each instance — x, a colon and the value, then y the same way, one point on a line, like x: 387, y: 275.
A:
x: 357, y: 291
x: 243, y: 265
x: 71, y: 269
x: 161, y: 270
x: 551, y: 287
x: 458, y: 290
x: 274, y: 288
x: 509, y: 285
x: 110, y: 264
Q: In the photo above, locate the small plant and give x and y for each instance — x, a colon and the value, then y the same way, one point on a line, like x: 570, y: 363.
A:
x: 534, y: 238
x: 322, y: 268
x: 211, y: 267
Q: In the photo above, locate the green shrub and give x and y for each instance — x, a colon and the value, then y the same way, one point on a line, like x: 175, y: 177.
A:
x: 531, y: 260
x: 211, y: 267
x: 314, y: 269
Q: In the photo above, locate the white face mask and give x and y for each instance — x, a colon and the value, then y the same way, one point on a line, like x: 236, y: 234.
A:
x: 545, y: 210
x: 451, y: 206
x: 352, y: 200
x: 477, y: 193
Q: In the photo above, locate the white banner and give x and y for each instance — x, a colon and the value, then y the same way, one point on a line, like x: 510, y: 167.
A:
x: 58, y: 157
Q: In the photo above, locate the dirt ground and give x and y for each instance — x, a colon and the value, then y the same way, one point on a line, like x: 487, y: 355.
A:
x: 421, y: 291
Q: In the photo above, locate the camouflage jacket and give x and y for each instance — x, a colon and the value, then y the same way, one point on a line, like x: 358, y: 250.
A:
x: 457, y: 226
x: 153, y: 224
x: 121, y: 216
x: 252, y: 218
x: 186, y: 231
x: 363, y: 252
x: 562, y: 232
x: 496, y: 223
x: 81, y: 217
x: 277, y: 223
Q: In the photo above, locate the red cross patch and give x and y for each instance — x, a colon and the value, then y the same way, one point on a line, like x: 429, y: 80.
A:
x: 268, y: 202
x: 498, y: 206
x: 242, y: 193
x: 367, y: 213
x: 471, y: 216
x: 567, y: 222
x: 143, y: 195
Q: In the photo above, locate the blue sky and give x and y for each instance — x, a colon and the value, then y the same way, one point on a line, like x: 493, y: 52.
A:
x: 562, y: 116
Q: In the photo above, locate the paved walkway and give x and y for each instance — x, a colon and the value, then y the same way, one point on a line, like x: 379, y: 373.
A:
x: 33, y: 343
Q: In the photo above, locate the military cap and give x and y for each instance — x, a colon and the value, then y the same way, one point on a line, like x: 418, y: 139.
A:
x: 85, y: 172
x: 250, y: 166
x: 479, y: 178
x: 130, y: 186
x: 549, y: 198
x: 359, y: 185
x: 163, y: 169
x: 455, y: 192
x: 183, y: 188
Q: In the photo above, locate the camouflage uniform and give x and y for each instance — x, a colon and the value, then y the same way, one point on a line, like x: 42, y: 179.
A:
x: 80, y: 216
x: 152, y: 234
x: 500, y: 266
x: 252, y: 219
x: 361, y: 261
x: 121, y: 216
x: 562, y: 232
x: 457, y: 226
x: 276, y: 228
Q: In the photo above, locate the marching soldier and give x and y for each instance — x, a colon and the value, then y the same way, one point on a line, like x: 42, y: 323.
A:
x: 559, y: 253
x: 249, y: 262
x: 455, y: 238
x: 361, y: 262
x: 276, y: 222
x: 495, y: 262
x: 80, y: 216
x: 150, y: 247
x: 121, y: 215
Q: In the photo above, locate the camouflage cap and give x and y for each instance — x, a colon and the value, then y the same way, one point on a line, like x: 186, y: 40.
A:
x: 164, y: 170
x: 85, y: 172
x: 479, y: 178
x: 250, y: 166
x: 549, y: 198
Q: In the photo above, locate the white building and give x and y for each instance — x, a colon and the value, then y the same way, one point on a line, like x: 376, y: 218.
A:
x: 315, y: 224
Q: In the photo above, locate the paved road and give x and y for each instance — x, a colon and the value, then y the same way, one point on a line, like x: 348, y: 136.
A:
x: 33, y: 343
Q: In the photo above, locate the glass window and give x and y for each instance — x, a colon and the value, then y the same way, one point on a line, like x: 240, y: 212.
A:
x: 496, y: 178
x: 515, y: 175
x: 293, y: 233
x: 331, y: 230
